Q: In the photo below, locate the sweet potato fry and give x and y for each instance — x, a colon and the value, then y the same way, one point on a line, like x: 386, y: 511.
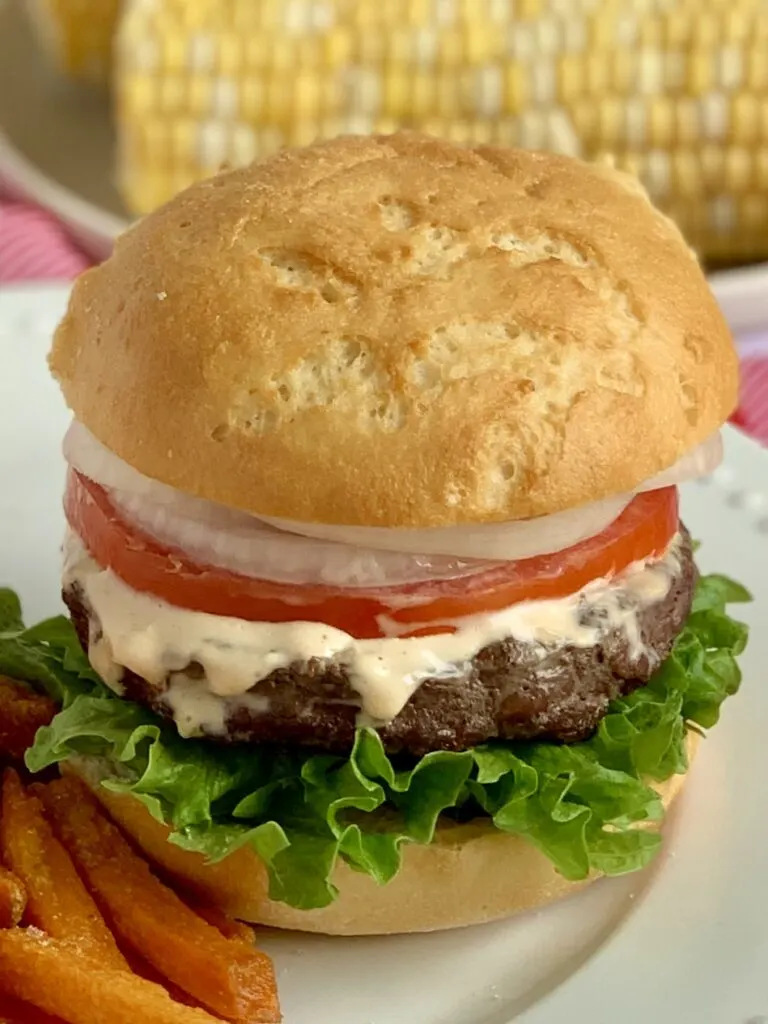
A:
x: 52, y: 976
x: 13, y: 899
x: 13, y: 1011
x: 237, y: 931
x: 146, y: 971
x: 57, y: 901
x: 230, y: 978
x: 22, y: 712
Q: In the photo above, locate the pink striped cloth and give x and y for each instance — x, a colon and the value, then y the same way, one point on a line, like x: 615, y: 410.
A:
x: 752, y: 414
x: 35, y: 247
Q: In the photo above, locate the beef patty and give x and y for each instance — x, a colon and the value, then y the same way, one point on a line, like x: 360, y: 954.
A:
x: 508, y: 690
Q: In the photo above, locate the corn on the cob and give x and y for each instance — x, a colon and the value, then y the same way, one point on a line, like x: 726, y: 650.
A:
x: 78, y: 35
x: 676, y: 90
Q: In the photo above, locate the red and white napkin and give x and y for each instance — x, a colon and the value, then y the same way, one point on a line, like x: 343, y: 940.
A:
x: 34, y: 246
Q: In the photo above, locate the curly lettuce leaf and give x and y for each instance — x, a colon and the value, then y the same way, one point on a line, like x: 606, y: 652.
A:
x: 580, y: 804
x: 47, y: 655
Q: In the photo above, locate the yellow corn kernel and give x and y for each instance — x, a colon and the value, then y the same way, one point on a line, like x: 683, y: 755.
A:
x: 738, y: 170
x: 687, y: 178
x: 395, y: 93
x: 688, y: 121
x: 736, y: 27
x: 756, y: 72
x: 677, y: 28
x: 652, y: 31
x: 706, y: 30
x: 712, y: 161
x: 338, y: 45
x: 661, y: 121
x: 452, y: 48
x: 745, y: 118
x: 760, y: 169
x: 753, y: 209
x: 572, y: 79
x: 623, y: 71
x: 701, y: 75
x: 481, y: 41
x: 610, y: 120
x: 585, y: 120
x: 598, y: 72
x: 529, y: 9
x: 515, y: 85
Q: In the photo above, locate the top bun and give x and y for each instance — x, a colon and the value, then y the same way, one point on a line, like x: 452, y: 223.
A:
x: 400, y: 331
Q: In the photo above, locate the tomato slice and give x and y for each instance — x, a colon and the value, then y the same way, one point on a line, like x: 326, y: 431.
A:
x: 643, y: 530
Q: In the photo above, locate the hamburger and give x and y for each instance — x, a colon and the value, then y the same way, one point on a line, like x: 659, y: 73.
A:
x: 373, y: 537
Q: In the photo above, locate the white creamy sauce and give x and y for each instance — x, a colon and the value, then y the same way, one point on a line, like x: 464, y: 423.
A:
x: 194, y: 707
x: 158, y: 641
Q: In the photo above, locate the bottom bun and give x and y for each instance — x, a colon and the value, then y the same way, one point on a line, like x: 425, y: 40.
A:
x: 469, y: 874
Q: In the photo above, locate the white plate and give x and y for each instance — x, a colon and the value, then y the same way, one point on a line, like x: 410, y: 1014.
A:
x: 685, y: 942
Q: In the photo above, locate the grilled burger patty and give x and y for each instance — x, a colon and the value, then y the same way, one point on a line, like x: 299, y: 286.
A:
x: 507, y: 691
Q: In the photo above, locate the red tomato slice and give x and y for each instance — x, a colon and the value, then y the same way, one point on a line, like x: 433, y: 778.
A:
x: 643, y: 530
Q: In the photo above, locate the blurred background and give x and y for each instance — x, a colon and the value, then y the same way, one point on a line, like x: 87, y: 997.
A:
x: 123, y: 102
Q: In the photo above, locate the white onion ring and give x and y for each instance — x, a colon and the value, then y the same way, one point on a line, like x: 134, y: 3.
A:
x: 699, y: 461
x: 90, y: 457
x: 354, y: 556
x: 213, y: 534
x: 247, y: 546
x: 525, y: 538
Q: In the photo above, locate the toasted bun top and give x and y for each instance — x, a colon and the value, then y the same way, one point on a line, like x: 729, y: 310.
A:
x: 400, y: 331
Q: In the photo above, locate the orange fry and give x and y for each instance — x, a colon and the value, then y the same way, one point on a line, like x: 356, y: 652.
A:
x: 230, y: 928
x: 22, y: 712
x: 57, y: 901
x: 13, y: 899
x: 231, y: 979
x: 145, y: 970
x: 55, y: 978
x: 13, y: 1011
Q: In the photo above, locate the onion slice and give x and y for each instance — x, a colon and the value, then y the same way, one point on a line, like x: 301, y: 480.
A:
x: 699, y: 461
x: 288, y: 551
x: 241, y: 544
x: 89, y: 456
x: 504, y: 542
x: 524, y: 538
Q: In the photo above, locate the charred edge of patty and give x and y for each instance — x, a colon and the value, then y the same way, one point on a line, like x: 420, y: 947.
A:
x: 507, y: 691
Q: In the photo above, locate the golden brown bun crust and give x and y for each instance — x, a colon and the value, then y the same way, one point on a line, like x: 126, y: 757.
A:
x: 471, y: 874
x: 399, y: 331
